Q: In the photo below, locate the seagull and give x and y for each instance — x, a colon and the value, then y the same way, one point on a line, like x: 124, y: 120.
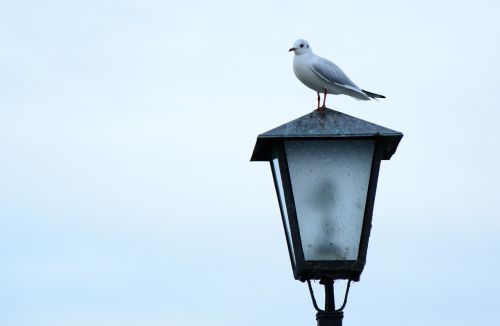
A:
x: 323, y: 76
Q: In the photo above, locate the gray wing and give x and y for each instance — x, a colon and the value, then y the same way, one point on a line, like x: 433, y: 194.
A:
x: 331, y: 73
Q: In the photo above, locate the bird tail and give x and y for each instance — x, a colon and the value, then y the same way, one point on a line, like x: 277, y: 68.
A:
x: 373, y: 95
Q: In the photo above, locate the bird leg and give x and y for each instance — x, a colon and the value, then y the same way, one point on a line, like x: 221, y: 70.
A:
x: 323, y: 107
x: 318, y: 99
x: 324, y: 98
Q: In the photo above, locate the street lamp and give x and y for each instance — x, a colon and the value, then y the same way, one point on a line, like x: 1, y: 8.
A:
x: 325, y: 168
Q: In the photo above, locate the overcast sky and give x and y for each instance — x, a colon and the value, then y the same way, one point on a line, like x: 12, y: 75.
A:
x: 126, y: 128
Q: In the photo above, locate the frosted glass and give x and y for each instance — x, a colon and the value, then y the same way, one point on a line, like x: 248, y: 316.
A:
x: 281, y: 196
x: 330, y: 183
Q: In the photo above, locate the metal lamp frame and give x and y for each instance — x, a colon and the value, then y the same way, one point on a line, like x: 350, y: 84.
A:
x: 324, y: 125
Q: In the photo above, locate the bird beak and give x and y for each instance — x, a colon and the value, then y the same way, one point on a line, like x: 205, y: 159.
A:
x: 291, y: 49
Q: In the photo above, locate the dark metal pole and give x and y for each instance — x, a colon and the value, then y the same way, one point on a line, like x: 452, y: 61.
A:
x: 329, y: 295
x: 329, y: 317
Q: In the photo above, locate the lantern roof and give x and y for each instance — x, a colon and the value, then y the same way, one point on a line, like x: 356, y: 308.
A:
x: 326, y: 124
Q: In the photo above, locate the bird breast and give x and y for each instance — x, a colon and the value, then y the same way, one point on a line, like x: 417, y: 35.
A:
x: 302, y: 70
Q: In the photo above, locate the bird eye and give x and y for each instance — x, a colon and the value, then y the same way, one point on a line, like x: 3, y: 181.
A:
x: 307, y: 45
x: 302, y: 45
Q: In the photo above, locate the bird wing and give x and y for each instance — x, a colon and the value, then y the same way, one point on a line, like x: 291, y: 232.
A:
x: 330, y: 72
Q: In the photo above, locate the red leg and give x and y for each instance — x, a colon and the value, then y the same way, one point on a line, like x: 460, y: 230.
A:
x: 324, y: 99
x: 323, y: 107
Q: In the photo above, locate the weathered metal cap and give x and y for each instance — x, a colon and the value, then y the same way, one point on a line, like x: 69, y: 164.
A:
x: 326, y: 124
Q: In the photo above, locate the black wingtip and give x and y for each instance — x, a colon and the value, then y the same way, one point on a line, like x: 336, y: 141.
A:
x: 373, y: 95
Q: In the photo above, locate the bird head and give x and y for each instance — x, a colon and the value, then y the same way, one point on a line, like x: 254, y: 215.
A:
x: 300, y: 47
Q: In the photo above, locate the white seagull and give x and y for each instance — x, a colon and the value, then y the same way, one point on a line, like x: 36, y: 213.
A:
x: 323, y: 76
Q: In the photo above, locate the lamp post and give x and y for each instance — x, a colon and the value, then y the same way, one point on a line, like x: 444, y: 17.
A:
x: 325, y: 168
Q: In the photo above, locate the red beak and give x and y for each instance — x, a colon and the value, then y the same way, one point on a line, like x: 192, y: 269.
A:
x: 291, y: 49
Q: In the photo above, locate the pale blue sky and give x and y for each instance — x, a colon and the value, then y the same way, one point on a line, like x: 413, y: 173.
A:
x: 126, y: 192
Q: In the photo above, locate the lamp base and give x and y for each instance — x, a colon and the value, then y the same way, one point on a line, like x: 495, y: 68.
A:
x: 333, y: 318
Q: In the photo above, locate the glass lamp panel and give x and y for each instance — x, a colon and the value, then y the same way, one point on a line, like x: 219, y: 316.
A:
x: 284, y: 213
x: 330, y: 184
